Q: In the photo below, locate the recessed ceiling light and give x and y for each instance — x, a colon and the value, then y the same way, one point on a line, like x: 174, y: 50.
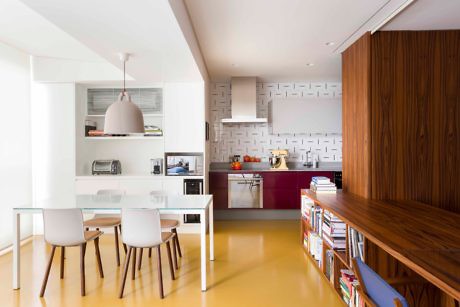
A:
x: 330, y: 44
x: 310, y: 64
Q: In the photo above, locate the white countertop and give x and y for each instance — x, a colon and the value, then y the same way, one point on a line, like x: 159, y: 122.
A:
x: 133, y: 177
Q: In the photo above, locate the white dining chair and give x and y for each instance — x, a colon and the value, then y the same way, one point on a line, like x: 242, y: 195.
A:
x: 166, y: 225
x: 64, y: 228
x: 142, y: 229
x: 108, y: 221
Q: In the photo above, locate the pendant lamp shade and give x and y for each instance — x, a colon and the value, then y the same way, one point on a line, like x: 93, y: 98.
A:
x: 123, y: 117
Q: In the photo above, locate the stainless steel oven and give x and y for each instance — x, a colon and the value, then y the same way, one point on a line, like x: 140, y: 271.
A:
x: 245, y: 191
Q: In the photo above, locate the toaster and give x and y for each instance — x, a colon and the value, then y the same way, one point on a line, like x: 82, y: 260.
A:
x: 106, y: 167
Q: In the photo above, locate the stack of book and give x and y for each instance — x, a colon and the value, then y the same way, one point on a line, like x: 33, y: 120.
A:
x: 355, y: 244
x: 334, y: 231
x: 322, y: 185
x: 329, y: 264
x: 349, y: 288
x: 151, y: 130
x: 307, y: 206
x: 316, y: 246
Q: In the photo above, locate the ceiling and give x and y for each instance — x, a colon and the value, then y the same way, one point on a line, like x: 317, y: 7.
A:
x: 275, y: 40
x: 148, y: 30
x: 428, y: 15
x: 26, y: 30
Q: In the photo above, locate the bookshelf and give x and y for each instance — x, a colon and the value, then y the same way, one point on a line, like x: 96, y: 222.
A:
x: 327, y: 242
x: 425, y: 239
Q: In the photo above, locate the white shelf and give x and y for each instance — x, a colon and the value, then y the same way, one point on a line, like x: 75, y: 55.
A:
x: 140, y: 137
x: 145, y: 115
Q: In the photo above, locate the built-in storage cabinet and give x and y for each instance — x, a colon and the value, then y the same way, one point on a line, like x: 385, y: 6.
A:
x: 184, y: 124
x: 131, y: 186
x: 174, y: 185
x: 149, y: 100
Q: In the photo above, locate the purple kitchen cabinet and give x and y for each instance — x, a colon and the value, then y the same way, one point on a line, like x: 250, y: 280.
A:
x: 281, y: 189
x: 280, y: 198
x: 279, y: 179
x: 218, y: 187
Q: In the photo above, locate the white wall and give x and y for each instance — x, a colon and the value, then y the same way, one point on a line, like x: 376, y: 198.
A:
x: 257, y: 139
x: 53, y: 141
x: 15, y: 143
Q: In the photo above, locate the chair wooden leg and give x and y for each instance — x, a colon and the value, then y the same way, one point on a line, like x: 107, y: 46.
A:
x: 82, y: 268
x: 160, y: 275
x: 150, y: 252
x: 174, y: 248
x: 171, y: 267
x: 177, y: 242
x: 125, y: 272
x: 62, y: 261
x: 124, y: 245
x: 117, y: 245
x: 139, y: 263
x: 47, y: 272
x: 98, y: 257
x: 133, y: 269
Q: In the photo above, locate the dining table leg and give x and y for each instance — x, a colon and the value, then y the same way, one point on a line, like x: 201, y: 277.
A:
x: 211, y: 231
x: 203, y: 249
x: 16, y: 247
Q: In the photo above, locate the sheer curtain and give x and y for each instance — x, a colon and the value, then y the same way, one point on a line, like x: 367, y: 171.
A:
x: 15, y: 141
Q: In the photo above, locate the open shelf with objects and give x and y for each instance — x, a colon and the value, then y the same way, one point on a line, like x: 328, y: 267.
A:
x: 148, y: 99
x: 395, y: 227
x: 331, y: 244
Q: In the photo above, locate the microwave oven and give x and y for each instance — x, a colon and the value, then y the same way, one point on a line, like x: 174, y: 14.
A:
x: 106, y: 167
x: 184, y: 164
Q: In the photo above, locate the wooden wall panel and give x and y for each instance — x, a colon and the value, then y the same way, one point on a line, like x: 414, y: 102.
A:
x: 401, y: 130
x: 415, y: 117
x: 356, y: 63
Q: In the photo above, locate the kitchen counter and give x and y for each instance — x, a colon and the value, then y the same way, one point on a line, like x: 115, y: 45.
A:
x: 265, y: 167
x: 132, y: 177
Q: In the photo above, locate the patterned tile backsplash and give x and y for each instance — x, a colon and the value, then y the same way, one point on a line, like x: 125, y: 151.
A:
x: 255, y: 139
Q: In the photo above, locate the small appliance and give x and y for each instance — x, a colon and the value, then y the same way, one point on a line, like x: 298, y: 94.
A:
x: 156, y: 166
x: 106, y: 167
x: 192, y: 187
x: 278, y: 159
x: 184, y: 164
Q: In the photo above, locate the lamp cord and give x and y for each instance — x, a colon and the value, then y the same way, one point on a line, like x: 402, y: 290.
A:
x: 124, y: 77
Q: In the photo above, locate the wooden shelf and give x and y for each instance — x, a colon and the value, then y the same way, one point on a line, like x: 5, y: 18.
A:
x: 140, y: 137
x: 396, y: 227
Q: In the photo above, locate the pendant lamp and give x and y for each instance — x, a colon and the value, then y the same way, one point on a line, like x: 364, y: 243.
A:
x: 123, y: 116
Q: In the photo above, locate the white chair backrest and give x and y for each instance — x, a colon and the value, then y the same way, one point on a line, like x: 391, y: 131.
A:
x: 141, y: 227
x: 63, y: 227
x: 111, y: 192
x: 158, y: 193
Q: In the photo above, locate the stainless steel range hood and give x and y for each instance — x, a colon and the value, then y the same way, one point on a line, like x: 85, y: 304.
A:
x: 244, y: 101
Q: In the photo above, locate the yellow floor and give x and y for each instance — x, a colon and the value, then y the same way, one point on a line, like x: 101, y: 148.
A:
x: 257, y: 264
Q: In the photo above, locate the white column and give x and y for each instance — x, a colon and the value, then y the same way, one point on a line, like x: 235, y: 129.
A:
x: 211, y: 231
x: 16, y: 252
x: 203, y: 249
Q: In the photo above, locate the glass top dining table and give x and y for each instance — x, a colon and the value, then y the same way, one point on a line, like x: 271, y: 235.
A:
x: 110, y: 204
